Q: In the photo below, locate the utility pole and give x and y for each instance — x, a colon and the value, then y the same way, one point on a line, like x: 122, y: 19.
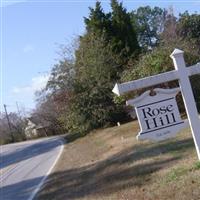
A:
x: 9, y: 124
x: 18, y: 109
x: 19, y: 113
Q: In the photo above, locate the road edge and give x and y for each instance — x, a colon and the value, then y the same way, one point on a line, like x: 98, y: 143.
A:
x: 33, y: 195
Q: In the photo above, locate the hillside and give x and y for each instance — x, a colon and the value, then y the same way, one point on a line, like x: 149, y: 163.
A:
x: 110, y: 164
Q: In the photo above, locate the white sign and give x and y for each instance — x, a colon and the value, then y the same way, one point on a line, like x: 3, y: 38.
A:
x: 181, y: 73
x: 158, y: 115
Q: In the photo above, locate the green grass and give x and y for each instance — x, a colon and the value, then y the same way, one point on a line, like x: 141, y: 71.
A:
x: 176, y: 174
x: 196, y: 165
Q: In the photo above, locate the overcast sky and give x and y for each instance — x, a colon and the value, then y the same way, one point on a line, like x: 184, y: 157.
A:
x: 31, y: 32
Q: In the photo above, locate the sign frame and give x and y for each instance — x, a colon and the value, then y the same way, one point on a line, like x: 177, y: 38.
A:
x: 158, y: 115
x: 182, y: 74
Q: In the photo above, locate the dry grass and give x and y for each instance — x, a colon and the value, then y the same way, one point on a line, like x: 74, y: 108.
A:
x: 111, y: 164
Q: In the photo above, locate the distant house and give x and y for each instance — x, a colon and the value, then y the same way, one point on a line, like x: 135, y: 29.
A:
x: 35, y: 129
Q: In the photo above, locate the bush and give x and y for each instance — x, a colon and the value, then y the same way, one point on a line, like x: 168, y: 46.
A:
x: 158, y: 61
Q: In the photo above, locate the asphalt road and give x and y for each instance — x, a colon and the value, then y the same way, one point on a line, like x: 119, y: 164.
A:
x: 24, y: 167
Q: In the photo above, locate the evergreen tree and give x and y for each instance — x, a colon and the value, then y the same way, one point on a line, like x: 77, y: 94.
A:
x: 98, y: 22
x: 123, y: 36
x: 117, y: 29
x: 107, y: 45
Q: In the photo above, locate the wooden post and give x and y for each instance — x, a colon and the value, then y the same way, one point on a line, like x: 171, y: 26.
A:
x: 188, y: 96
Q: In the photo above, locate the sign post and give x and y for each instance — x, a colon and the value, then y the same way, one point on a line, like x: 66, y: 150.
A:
x: 181, y: 73
x: 188, y: 97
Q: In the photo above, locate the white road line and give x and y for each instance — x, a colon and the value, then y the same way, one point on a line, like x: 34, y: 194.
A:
x: 45, y: 177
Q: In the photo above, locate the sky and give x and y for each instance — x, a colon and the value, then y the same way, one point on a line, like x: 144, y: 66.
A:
x: 31, y: 33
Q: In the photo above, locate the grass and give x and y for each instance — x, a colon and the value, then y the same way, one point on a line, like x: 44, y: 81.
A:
x: 110, y: 164
x: 197, y: 165
x: 175, y: 174
x: 5, y: 140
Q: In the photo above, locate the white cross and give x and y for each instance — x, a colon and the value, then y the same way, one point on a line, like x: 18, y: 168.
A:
x: 181, y: 73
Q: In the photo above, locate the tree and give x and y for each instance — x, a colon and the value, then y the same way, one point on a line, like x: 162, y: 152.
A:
x: 18, y: 125
x: 116, y: 28
x: 149, y: 23
x: 48, y: 113
x: 108, y: 43
x: 63, y: 73
x: 169, y: 34
x: 158, y: 61
x: 91, y: 105
x: 188, y: 27
x: 61, y: 78
x: 123, y: 37
x: 53, y: 100
x: 78, y: 95
x: 98, y: 22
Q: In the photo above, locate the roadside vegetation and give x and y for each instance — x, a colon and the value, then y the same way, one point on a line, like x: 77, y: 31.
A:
x: 15, y: 132
x: 103, y: 161
x: 117, y: 46
x: 111, y: 164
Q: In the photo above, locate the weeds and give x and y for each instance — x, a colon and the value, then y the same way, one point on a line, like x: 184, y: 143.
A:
x: 176, y: 173
x: 196, y: 165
